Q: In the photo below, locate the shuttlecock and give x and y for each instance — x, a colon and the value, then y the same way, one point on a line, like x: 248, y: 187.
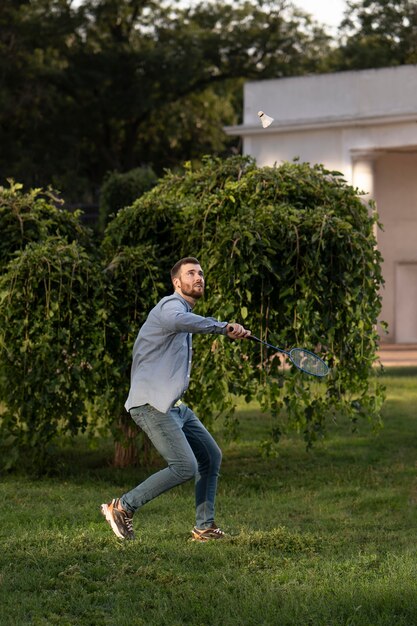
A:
x: 265, y: 119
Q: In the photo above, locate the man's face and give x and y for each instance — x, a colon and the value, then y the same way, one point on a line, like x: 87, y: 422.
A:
x: 190, y: 281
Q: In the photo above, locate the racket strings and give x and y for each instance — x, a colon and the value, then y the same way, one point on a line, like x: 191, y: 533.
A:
x: 308, y: 362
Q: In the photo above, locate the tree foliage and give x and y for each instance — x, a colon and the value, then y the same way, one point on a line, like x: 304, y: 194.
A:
x: 290, y: 251
x: 49, y: 335
x: 131, y: 282
x: 34, y: 216
x: 377, y: 33
x: 121, y: 189
x: 110, y: 85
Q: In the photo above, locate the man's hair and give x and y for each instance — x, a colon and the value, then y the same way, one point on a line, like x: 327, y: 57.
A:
x: 177, y: 267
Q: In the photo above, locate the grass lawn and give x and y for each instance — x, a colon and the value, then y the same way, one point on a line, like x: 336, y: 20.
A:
x: 320, y: 538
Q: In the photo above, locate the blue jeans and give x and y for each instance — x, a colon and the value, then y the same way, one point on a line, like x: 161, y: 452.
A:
x: 190, y: 451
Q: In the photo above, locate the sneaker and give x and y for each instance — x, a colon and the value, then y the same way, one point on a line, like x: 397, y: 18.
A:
x: 206, y: 534
x: 119, y: 519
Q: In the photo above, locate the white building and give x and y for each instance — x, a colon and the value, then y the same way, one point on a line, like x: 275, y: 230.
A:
x: 363, y: 124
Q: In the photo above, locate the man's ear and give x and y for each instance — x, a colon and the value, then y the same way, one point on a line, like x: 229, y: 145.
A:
x: 176, y: 282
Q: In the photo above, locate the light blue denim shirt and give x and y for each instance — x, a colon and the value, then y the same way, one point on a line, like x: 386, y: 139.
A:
x: 162, y: 353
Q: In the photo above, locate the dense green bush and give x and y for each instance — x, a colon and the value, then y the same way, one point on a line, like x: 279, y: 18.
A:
x: 50, y: 344
x: 160, y: 216
x: 122, y: 189
x: 130, y: 284
x: 288, y: 250
x: 34, y: 216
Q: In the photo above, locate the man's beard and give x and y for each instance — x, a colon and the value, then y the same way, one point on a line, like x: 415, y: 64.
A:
x: 192, y: 293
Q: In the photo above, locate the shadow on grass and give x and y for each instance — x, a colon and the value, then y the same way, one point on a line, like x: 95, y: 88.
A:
x: 394, y: 372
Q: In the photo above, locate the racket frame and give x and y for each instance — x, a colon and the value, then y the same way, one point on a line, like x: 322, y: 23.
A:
x: 288, y: 353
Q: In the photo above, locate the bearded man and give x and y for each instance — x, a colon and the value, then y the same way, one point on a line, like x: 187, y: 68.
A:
x: 160, y: 375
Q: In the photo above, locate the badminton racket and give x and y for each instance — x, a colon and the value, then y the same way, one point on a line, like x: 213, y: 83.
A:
x: 305, y: 360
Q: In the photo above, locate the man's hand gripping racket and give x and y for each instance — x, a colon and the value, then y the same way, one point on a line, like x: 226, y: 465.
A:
x: 305, y: 360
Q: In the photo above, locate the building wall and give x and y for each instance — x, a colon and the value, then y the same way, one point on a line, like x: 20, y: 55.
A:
x: 338, y: 97
x: 396, y: 198
x: 312, y: 146
x: 336, y: 147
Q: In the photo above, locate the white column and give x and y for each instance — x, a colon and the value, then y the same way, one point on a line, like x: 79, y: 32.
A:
x: 363, y: 173
x: 363, y: 177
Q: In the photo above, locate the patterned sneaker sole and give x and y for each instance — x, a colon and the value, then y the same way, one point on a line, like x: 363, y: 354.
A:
x: 205, y: 538
x: 109, y: 518
x: 199, y: 539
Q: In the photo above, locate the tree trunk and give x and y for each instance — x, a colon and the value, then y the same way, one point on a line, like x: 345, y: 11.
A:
x: 125, y: 447
x: 132, y: 447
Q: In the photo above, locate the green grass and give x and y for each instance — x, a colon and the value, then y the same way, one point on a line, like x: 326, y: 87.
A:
x: 320, y: 538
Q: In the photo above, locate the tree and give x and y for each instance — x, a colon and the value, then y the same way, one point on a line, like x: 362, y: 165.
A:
x: 131, y: 284
x: 35, y: 125
x: 291, y: 251
x: 377, y: 33
x: 115, y: 84
x: 33, y: 216
x: 48, y: 343
x: 66, y: 329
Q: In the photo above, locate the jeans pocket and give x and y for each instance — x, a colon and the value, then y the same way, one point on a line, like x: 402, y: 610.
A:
x: 139, y: 413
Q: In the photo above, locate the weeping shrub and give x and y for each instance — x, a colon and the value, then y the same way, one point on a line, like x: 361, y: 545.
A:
x: 290, y: 251
x: 34, y: 215
x: 48, y: 347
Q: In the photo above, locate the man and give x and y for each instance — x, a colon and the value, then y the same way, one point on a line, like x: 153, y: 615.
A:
x: 160, y: 376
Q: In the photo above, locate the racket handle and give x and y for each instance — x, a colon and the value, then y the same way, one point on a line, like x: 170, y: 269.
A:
x: 230, y: 327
